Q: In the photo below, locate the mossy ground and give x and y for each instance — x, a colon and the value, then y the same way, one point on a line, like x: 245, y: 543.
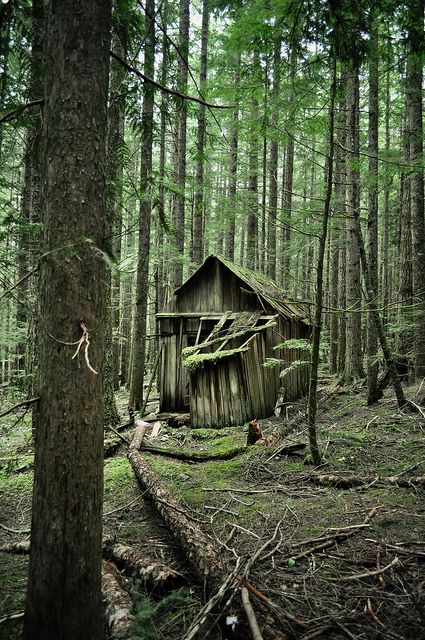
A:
x: 241, y: 501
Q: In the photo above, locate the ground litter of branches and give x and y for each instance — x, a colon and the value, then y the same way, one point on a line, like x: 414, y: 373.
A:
x: 321, y: 558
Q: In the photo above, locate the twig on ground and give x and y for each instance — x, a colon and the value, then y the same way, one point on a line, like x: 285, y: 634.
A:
x: 202, y: 616
x: 13, y: 617
x: 338, y: 537
x: 252, y: 620
x: 125, y: 506
x: 18, y: 531
x: 367, y: 574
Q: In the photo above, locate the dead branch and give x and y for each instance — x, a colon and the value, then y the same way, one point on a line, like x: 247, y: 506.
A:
x: 117, y: 602
x: 17, y: 547
x: 13, y: 617
x: 367, y: 574
x: 25, y: 403
x: 161, y: 87
x: 120, y: 436
x: 348, y: 482
x: 252, y: 620
x: 338, y: 537
x: 18, y: 531
x: 10, y: 114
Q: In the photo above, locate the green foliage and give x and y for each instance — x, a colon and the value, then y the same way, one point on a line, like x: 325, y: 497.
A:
x: 150, y: 616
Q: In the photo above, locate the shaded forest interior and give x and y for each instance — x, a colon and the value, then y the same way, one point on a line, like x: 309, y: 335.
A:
x: 140, y: 144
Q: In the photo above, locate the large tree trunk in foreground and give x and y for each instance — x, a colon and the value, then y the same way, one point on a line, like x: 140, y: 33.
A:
x: 64, y: 586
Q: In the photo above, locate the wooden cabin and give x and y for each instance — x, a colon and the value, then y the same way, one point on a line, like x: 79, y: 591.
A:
x: 215, y: 334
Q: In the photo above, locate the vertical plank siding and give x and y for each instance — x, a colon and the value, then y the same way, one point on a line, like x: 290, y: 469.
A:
x: 238, y: 387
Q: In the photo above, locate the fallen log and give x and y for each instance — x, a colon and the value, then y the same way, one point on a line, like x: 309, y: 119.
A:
x: 155, y: 574
x: 207, y: 565
x: 117, y: 603
x: 200, y: 552
x: 194, y: 456
x: 16, y: 547
x: 139, y: 434
x: 348, y: 482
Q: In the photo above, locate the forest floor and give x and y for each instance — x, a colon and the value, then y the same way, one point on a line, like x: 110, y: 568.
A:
x: 336, y: 561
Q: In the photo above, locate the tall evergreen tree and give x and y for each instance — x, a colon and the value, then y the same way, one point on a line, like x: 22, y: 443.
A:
x: 64, y: 594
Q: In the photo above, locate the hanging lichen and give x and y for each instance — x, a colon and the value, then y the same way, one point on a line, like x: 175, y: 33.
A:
x: 194, y: 361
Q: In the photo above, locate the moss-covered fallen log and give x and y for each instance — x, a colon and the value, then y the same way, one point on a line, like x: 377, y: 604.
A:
x: 195, y: 456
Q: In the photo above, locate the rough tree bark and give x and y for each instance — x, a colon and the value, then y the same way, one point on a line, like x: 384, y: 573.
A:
x: 180, y: 166
x: 414, y: 98
x: 273, y: 166
x: 317, y: 326
x: 233, y: 169
x: 372, y: 222
x: 138, y: 355
x: 354, y: 354
x: 197, y: 246
x: 64, y: 590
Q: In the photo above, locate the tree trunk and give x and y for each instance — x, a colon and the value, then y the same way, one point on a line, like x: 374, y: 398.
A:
x: 317, y: 326
x: 139, y: 338
x: 385, y: 279
x: 372, y: 340
x: 273, y: 167
x: 180, y: 167
x: 231, y: 230
x: 153, y: 573
x: 197, y: 254
x: 202, y: 555
x: 405, y: 344
x: 252, y: 225
x: 289, y: 175
x: 29, y: 240
x: 113, y: 233
x: 414, y: 98
x: 64, y: 590
x: 354, y: 354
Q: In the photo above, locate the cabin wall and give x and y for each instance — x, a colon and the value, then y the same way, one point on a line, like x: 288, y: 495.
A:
x: 173, y: 376
x: 218, y: 394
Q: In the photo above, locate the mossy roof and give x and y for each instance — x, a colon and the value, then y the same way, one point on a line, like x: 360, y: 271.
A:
x: 261, y: 284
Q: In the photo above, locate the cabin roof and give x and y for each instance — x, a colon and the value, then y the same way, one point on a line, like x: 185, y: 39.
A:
x: 261, y: 284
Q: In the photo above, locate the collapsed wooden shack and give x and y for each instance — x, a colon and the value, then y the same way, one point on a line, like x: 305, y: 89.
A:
x: 216, y: 333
